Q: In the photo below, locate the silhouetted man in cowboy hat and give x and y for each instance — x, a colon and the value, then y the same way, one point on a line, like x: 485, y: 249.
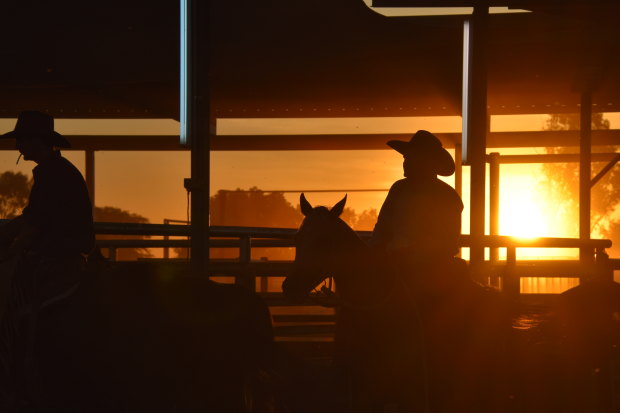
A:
x: 57, y: 222
x: 51, y: 237
x: 420, y: 221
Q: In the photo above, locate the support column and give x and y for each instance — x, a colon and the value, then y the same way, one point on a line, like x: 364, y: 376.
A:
x: 89, y: 155
x: 458, y: 179
x: 458, y: 170
x: 586, y: 255
x: 195, y: 123
x: 475, y: 122
x: 494, y: 201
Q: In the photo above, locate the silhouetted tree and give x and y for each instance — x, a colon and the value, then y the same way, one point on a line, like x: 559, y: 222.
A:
x: 14, y: 191
x: 257, y: 208
x: 366, y: 220
x: 112, y: 214
x: 561, y: 182
x: 348, y: 215
x: 253, y: 208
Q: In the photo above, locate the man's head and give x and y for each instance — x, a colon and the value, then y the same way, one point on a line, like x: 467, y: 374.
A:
x: 424, y: 155
x: 35, y: 137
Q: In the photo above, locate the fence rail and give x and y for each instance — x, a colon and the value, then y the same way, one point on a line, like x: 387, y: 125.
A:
x: 502, y: 273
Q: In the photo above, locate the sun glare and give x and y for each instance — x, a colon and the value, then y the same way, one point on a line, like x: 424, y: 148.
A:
x: 522, y: 217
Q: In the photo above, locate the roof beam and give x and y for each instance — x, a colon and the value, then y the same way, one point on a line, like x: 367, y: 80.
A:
x: 325, y: 142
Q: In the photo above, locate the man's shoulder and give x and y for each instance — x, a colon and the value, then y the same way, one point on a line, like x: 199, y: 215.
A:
x: 63, y: 164
x: 448, y: 191
x: 400, y: 184
x: 58, y: 170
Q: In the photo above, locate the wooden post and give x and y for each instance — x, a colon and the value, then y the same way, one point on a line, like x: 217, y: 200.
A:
x: 586, y: 255
x: 458, y: 170
x: 89, y: 158
x: 247, y: 279
x: 458, y: 179
x: 166, y: 238
x: 112, y: 253
x: 511, y: 283
x: 494, y: 202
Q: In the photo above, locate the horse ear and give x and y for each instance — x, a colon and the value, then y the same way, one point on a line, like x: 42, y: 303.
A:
x: 306, y: 208
x: 339, y: 207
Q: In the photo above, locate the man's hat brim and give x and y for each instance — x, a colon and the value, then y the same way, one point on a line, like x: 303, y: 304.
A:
x: 444, y: 164
x: 54, y: 138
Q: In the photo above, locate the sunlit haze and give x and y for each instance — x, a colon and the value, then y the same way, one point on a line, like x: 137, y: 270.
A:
x: 151, y: 183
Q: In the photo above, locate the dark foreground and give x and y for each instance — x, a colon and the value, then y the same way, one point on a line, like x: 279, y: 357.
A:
x: 144, y: 339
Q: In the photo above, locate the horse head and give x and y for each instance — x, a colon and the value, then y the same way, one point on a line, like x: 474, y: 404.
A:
x: 319, y: 244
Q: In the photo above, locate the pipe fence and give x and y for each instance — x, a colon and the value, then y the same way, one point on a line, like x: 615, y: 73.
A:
x: 505, y: 274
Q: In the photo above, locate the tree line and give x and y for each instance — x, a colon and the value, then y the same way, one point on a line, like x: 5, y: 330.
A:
x: 561, y: 183
x: 14, y: 191
x: 257, y: 208
x: 251, y: 208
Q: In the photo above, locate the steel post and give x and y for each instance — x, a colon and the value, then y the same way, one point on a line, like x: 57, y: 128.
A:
x: 475, y: 121
x: 494, y: 189
x: 196, y: 126
x: 458, y: 171
x: 586, y: 255
x: 89, y: 158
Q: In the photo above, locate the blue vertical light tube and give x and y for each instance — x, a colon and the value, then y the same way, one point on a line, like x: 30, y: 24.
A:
x: 466, y: 97
x: 184, y: 73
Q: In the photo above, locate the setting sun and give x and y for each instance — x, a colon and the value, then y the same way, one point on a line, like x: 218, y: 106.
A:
x: 522, y: 210
x: 522, y: 218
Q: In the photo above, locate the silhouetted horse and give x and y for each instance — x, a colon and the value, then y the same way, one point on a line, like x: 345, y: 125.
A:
x: 405, y: 348
x: 148, y: 337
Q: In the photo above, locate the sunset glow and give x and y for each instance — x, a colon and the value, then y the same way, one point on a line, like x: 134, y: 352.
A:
x: 523, y: 218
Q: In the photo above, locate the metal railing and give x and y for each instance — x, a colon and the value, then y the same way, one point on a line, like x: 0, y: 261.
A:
x: 505, y: 274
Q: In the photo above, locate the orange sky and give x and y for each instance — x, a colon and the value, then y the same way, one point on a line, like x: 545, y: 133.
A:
x: 151, y: 183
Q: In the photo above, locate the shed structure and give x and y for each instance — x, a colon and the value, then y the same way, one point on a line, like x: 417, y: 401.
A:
x: 312, y: 59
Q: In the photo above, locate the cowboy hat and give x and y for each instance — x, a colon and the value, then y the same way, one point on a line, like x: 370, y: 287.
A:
x: 32, y: 124
x: 427, y: 144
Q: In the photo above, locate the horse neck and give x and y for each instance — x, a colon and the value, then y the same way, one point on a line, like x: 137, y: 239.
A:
x: 348, y: 243
x: 351, y: 254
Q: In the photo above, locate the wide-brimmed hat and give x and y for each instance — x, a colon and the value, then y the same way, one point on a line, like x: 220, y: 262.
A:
x: 427, y: 144
x: 32, y: 124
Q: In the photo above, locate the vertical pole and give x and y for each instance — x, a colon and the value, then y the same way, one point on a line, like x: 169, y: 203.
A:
x: 458, y: 178
x: 475, y: 122
x: 511, y: 283
x: 166, y: 238
x: 195, y: 123
x: 247, y: 278
x: 458, y: 171
x: 494, y: 201
x: 586, y: 255
x: 89, y: 155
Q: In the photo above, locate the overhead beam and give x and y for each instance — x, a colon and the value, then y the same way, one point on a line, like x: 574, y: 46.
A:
x: 554, y: 158
x: 433, y: 3
x: 536, y: 139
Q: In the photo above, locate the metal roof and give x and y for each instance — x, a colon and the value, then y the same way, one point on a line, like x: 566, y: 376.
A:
x: 308, y: 58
